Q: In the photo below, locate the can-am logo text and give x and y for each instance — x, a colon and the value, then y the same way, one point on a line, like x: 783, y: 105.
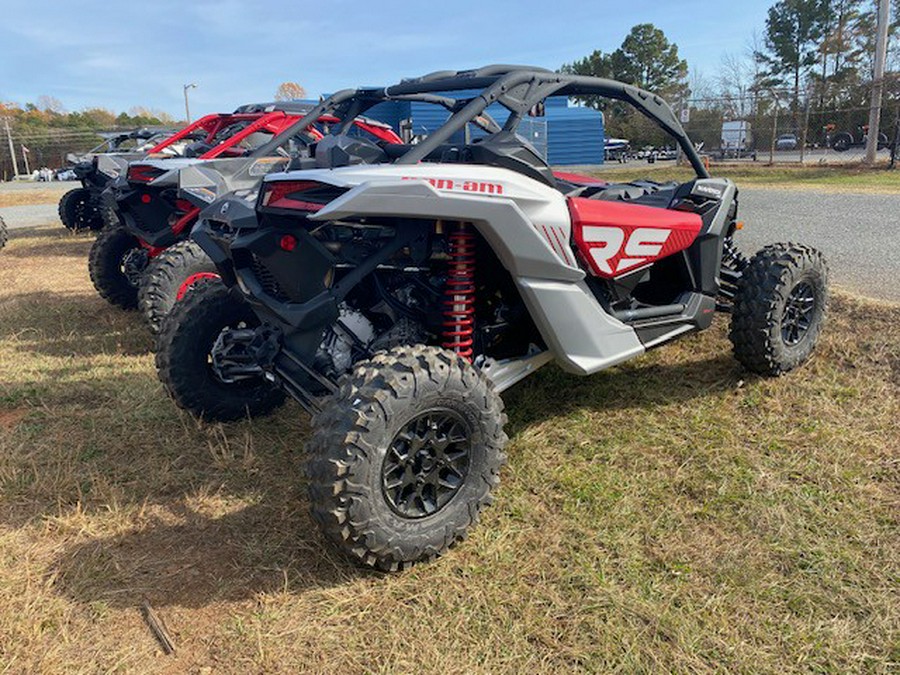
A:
x: 458, y: 185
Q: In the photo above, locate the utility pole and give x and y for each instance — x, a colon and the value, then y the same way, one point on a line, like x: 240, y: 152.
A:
x: 25, y: 159
x: 187, y: 108
x: 12, y: 149
x: 878, y: 82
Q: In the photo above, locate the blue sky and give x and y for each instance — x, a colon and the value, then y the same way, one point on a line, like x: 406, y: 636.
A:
x: 117, y: 55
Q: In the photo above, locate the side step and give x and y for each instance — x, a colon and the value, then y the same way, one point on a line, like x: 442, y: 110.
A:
x: 642, y: 313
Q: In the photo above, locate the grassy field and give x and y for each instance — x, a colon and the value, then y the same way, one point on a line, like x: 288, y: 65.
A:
x: 857, y: 179
x: 26, y: 194
x: 671, y: 515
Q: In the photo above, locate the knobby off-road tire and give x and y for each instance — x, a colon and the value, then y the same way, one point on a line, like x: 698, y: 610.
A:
x: 372, y: 438
x: 107, y: 266
x: 66, y: 208
x: 162, y: 282
x: 186, y: 339
x: 79, y: 211
x: 109, y: 216
x: 779, y: 308
x: 4, y: 235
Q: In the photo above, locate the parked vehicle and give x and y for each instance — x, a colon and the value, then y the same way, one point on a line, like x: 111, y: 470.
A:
x: 787, y: 142
x: 214, y: 135
x: 80, y: 208
x: 841, y: 141
x: 736, y: 141
x: 180, y: 189
x: 145, y: 258
x: 396, y: 300
x: 616, y: 149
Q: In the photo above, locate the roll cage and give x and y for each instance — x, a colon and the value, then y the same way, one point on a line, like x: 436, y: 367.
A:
x: 271, y: 117
x: 520, y: 89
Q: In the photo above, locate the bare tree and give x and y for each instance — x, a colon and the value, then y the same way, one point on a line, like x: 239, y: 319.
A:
x: 50, y: 104
x: 289, y: 91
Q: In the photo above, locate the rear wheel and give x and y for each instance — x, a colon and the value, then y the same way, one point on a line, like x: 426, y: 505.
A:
x: 841, y: 142
x: 405, y: 455
x: 184, y: 357
x: 78, y: 210
x: 116, y: 262
x: 109, y: 216
x: 168, y: 277
x: 779, y: 308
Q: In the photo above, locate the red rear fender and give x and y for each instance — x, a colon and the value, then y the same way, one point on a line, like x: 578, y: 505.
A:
x: 614, y: 238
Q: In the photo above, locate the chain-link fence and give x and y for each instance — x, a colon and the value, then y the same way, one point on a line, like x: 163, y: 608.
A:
x: 36, y: 148
x: 776, y: 128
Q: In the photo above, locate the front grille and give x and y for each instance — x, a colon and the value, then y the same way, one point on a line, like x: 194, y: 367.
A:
x: 267, y: 280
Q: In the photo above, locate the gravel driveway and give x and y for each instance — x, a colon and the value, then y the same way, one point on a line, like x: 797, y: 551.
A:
x: 858, y: 233
x: 29, y: 215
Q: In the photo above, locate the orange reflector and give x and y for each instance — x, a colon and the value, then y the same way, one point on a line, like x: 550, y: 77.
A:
x: 739, y: 225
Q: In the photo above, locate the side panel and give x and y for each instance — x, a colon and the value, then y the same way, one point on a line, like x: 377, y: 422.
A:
x: 583, y: 337
x: 615, y: 238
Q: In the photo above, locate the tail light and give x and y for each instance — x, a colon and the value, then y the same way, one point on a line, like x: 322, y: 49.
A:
x: 298, y: 195
x: 143, y: 173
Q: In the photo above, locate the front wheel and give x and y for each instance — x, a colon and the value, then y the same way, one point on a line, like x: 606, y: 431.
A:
x: 404, y: 456
x: 779, y: 308
x: 78, y: 210
x: 116, y: 262
x: 185, y: 364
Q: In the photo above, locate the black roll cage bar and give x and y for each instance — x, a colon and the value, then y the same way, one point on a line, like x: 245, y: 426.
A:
x: 518, y: 88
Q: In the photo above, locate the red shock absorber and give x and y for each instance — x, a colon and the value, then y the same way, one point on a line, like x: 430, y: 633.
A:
x: 459, y: 293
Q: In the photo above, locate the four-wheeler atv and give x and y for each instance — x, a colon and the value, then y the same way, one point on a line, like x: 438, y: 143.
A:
x: 396, y: 301
x: 83, y: 208
x: 147, y: 260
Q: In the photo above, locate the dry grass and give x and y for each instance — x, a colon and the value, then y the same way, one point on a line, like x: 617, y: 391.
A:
x: 851, y: 179
x: 672, y: 515
x: 26, y: 195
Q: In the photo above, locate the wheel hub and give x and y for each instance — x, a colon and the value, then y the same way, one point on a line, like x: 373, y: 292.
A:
x: 426, y: 463
x: 235, y: 354
x: 798, y: 313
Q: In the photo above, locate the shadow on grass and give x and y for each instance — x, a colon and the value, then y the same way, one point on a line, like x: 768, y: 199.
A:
x: 636, y: 385
x: 264, y: 548
x: 71, y: 324
x: 271, y: 544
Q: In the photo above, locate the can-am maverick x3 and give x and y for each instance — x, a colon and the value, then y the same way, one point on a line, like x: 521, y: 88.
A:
x: 83, y: 208
x: 396, y: 301
x: 152, y: 213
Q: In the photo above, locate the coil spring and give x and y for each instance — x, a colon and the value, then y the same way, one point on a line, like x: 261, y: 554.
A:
x: 459, y: 293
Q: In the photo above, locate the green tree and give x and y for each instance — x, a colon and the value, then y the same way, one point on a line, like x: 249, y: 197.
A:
x: 646, y: 59
x: 794, y: 30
